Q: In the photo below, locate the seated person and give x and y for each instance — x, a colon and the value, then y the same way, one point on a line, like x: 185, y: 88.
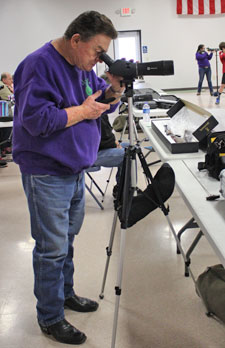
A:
x: 110, y: 153
x: 7, y: 82
x: 6, y: 92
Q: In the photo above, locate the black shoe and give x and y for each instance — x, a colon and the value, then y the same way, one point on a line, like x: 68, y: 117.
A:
x: 8, y: 150
x: 115, y: 190
x: 80, y: 304
x: 3, y: 163
x: 64, y: 332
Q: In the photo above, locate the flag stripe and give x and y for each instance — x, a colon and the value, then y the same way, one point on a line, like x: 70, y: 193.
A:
x: 222, y: 6
x: 184, y: 7
x: 212, y: 6
x: 217, y: 6
x: 190, y: 7
x: 179, y: 6
x: 200, y: 7
x: 206, y: 7
x: 195, y: 7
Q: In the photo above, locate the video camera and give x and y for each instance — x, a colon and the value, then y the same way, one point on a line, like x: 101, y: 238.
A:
x: 212, y: 49
x: 129, y: 70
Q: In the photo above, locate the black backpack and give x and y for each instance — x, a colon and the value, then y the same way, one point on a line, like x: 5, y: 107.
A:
x: 210, y: 286
x: 215, y: 154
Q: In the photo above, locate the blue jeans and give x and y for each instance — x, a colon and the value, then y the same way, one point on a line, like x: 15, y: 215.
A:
x: 202, y: 73
x: 56, y: 205
x: 112, y: 157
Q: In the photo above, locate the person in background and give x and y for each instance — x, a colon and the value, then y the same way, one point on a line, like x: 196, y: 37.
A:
x: 7, y: 79
x: 6, y: 91
x: 204, y: 67
x: 222, y: 59
x: 111, y: 152
x: 56, y: 136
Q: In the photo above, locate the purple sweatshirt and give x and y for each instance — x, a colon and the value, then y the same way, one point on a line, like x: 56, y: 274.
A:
x: 45, y: 84
x: 203, y: 59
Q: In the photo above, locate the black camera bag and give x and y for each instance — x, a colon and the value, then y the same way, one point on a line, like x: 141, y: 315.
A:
x: 215, y: 156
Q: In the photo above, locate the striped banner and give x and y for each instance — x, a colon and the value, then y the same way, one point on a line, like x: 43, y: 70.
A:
x: 200, y: 7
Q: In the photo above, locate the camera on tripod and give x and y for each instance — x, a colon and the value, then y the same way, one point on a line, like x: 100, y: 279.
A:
x: 129, y: 206
x: 213, y: 49
x: 129, y: 70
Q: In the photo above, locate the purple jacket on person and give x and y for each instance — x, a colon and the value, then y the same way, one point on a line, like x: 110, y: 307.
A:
x: 45, y: 84
x: 203, y: 59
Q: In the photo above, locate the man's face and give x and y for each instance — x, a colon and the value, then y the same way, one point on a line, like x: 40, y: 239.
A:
x: 86, y: 54
x: 8, y: 80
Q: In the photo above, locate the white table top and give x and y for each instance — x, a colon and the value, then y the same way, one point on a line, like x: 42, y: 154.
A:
x: 194, y: 186
x: 153, y: 112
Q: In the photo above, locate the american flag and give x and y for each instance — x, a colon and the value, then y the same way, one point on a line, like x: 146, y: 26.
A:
x: 200, y: 7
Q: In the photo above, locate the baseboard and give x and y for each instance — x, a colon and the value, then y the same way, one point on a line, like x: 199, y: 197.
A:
x: 186, y: 89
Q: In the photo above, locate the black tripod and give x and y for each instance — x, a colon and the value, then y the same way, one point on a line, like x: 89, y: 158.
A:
x: 123, y: 203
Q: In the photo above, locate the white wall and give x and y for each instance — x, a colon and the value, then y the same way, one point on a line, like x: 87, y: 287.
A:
x: 27, y: 24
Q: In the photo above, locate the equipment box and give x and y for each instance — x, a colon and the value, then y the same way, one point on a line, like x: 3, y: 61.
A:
x: 173, y: 143
x: 180, y: 131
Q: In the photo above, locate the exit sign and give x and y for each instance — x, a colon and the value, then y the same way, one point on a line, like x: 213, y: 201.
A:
x: 125, y: 11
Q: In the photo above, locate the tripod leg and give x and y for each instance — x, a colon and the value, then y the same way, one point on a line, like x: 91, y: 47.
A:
x: 118, y: 287
x: 123, y: 131
x: 109, y: 253
x: 135, y: 131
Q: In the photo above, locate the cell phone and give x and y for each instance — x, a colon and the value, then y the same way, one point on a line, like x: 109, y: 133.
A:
x: 107, y: 101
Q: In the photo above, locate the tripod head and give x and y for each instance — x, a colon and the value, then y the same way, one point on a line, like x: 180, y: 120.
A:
x: 129, y: 70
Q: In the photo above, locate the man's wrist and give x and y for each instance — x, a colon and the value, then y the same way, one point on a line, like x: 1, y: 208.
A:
x: 116, y: 92
x: 75, y: 114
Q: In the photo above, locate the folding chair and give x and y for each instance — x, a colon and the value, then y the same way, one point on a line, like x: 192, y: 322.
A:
x: 150, y: 150
x: 93, y: 182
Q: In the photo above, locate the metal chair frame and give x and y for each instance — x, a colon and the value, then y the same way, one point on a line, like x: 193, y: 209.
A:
x: 94, y: 183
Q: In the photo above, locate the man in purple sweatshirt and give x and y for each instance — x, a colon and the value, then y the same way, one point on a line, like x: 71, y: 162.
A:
x: 56, y: 136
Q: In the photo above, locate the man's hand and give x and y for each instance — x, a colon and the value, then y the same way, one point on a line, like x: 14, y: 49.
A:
x: 115, y: 89
x: 115, y: 82
x: 93, y: 109
x: 89, y: 110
